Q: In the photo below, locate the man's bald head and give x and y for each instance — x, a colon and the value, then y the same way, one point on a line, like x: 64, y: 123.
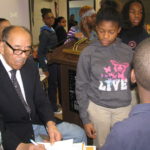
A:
x: 141, y: 63
x: 12, y: 29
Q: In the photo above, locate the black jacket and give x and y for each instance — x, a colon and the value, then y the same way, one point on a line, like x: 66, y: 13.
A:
x: 133, y: 36
x: 17, y: 122
x: 47, y: 43
x: 61, y: 34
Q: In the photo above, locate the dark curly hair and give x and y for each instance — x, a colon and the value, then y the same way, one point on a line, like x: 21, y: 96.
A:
x: 57, y: 20
x: 109, y: 3
x: 108, y: 14
x: 125, y: 14
x: 45, y: 11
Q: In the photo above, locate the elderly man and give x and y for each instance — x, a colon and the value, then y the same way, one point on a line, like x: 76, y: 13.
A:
x: 23, y: 103
x: 134, y: 133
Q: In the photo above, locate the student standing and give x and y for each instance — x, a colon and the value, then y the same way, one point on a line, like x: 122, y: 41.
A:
x: 47, y: 43
x: 102, y: 82
x: 60, y: 24
x: 133, y: 31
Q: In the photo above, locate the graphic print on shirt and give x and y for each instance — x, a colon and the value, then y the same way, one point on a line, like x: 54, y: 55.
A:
x: 114, y: 77
x: 132, y: 44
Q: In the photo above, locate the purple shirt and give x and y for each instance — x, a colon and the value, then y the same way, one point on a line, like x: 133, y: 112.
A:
x: 132, y: 133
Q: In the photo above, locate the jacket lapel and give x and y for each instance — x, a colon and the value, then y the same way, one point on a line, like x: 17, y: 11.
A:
x: 6, y: 84
x: 27, y: 83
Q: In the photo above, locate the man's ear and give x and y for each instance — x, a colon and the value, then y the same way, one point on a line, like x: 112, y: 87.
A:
x: 1, y: 47
x: 133, y: 78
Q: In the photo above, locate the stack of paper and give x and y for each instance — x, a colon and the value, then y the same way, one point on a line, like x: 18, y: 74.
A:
x: 67, y: 145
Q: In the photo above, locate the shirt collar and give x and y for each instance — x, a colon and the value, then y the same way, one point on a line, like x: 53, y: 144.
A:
x: 6, y: 66
x: 140, y: 108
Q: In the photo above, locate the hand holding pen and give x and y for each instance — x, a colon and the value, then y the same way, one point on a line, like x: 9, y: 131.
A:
x: 36, y: 146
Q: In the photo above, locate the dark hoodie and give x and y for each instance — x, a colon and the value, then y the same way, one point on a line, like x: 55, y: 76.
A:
x: 48, y: 41
x: 133, y: 36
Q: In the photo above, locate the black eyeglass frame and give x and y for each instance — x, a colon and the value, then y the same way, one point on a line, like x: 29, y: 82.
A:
x: 19, y: 51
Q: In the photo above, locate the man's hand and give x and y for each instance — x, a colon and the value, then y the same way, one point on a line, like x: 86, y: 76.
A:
x: 23, y: 146
x: 90, y: 130
x: 53, y: 132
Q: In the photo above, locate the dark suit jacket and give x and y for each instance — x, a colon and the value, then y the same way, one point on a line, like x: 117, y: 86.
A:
x: 14, y: 114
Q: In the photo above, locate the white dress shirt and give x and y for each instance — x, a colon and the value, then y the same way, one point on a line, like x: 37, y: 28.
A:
x: 18, y: 75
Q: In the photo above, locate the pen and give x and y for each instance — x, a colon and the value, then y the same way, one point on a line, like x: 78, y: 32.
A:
x: 33, y: 142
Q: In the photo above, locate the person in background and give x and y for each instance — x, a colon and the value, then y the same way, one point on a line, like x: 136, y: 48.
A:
x: 134, y: 133
x: 103, y: 77
x: 86, y: 27
x: 59, y: 26
x: 133, y: 32
x: 72, y: 21
x: 3, y: 24
x: 133, y: 15
x: 47, y: 43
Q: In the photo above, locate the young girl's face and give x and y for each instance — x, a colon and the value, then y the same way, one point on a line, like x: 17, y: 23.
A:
x: 107, y: 32
x: 49, y: 19
x: 135, y: 13
x: 62, y: 22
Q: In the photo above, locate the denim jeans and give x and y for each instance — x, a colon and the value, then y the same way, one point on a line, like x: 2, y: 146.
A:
x: 68, y: 131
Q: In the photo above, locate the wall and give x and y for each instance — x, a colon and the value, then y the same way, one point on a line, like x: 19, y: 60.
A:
x: 97, y: 3
x: 62, y: 8
x: 16, y: 11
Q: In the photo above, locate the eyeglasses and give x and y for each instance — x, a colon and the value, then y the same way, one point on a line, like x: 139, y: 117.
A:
x: 19, y: 51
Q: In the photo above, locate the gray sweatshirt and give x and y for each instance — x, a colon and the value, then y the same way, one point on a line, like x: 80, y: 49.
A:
x: 103, y: 76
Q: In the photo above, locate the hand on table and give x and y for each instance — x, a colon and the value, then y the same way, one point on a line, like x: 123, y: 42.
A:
x: 53, y: 132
